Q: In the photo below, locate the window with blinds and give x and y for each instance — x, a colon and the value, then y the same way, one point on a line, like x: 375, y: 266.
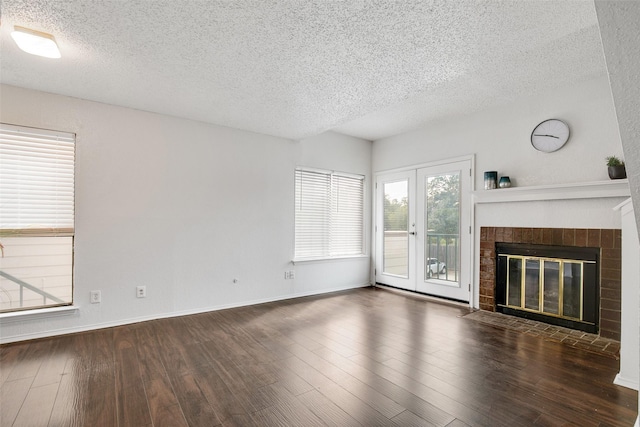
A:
x: 329, y: 210
x: 36, y: 217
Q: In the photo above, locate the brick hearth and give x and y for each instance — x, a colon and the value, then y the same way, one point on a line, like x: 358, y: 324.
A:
x: 608, y: 240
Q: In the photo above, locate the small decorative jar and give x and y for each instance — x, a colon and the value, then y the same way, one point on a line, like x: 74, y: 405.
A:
x: 490, y: 180
x: 505, y: 182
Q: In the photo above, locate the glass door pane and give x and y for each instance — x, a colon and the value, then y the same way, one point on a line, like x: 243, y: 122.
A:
x: 396, y: 228
x: 572, y: 297
x: 552, y: 287
x: 442, y: 231
x: 532, y: 284
x: 514, y: 277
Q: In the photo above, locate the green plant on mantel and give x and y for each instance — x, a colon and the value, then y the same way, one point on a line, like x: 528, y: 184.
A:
x: 614, y: 161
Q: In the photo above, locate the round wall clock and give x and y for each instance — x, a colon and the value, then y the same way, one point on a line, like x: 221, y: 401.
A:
x: 550, y: 135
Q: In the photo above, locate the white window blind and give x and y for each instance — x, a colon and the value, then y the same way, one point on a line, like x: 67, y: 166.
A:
x: 36, y: 180
x: 329, y: 214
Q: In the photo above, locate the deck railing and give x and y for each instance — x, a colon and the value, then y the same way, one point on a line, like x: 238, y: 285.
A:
x: 45, y: 295
x: 445, y: 247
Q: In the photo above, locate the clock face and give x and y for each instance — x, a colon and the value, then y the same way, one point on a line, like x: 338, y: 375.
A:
x: 550, y: 135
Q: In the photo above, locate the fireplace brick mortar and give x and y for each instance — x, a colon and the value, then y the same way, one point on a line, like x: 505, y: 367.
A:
x: 608, y: 240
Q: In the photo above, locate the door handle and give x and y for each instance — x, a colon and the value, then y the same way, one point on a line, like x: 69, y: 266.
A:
x: 413, y: 233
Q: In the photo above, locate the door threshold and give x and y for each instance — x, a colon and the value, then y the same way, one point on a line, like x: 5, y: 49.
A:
x: 429, y: 297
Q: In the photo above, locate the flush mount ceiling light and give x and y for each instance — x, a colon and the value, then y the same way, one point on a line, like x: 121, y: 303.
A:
x: 35, y: 42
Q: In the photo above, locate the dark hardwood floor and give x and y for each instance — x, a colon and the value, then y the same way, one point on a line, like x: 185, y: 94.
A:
x: 366, y: 357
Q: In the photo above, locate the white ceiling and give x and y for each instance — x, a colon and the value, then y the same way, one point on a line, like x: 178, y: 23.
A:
x: 296, y: 68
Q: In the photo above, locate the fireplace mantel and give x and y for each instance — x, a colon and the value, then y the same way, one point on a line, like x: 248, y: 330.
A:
x: 581, y: 190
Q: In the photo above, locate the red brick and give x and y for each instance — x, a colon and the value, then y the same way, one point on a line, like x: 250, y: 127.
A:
x: 507, y: 234
x: 610, y: 284
x: 614, y: 294
x: 610, y: 274
x: 611, y: 254
x: 537, y: 235
x: 609, y: 304
x: 617, y: 238
x: 610, y: 334
x: 606, y: 239
x: 557, y: 236
x: 610, y: 316
x: 568, y: 236
x: 487, y: 275
x: 516, y: 235
x: 593, y: 238
x: 487, y: 261
x: 581, y: 237
x: 487, y: 245
x: 609, y: 329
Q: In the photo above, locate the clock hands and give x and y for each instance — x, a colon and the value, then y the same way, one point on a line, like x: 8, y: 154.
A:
x: 551, y: 136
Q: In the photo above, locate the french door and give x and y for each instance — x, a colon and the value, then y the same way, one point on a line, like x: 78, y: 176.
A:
x: 423, y: 225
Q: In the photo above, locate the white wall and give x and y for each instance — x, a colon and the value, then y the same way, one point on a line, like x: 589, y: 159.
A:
x: 618, y: 22
x: 183, y: 208
x: 629, y: 341
x: 500, y: 137
x: 500, y: 140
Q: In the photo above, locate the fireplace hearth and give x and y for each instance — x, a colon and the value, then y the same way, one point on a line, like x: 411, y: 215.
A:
x: 553, y: 284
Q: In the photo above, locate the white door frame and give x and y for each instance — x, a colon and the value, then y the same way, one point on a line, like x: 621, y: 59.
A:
x: 472, y: 237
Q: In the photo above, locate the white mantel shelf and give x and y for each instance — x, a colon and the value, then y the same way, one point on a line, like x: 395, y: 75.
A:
x: 581, y: 190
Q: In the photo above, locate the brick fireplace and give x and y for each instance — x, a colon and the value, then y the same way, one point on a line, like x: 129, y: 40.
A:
x: 607, y: 240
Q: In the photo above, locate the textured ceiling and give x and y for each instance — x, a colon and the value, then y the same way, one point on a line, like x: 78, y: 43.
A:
x: 296, y: 68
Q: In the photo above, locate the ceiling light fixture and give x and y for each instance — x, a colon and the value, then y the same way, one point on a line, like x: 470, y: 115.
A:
x: 35, y: 42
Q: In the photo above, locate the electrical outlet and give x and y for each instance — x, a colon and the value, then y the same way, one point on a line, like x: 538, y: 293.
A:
x: 286, y: 275
x: 96, y: 297
x: 141, y: 291
x: 292, y: 274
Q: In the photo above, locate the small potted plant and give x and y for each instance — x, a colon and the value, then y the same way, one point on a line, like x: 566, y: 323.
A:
x: 616, y: 168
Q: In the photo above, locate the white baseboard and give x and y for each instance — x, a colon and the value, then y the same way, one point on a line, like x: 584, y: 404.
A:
x: 85, y: 328
x: 626, y: 382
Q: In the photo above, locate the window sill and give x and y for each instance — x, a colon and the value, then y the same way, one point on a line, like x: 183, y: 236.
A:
x: 39, y: 313
x: 328, y: 259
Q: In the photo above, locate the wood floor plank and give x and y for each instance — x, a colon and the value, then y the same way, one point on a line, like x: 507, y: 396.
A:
x: 326, y: 410
x: 31, y: 359
x: 133, y: 407
x: 52, y: 368
x: 219, y: 395
x: 149, y: 350
x: 403, y: 396
x: 37, y: 406
x: 12, y: 396
x: 377, y: 400
x: 163, y: 403
x: 366, y: 357
x: 11, y: 356
x: 409, y: 419
x: 67, y: 409
x: 358, y: 409
x: 194, y: 404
